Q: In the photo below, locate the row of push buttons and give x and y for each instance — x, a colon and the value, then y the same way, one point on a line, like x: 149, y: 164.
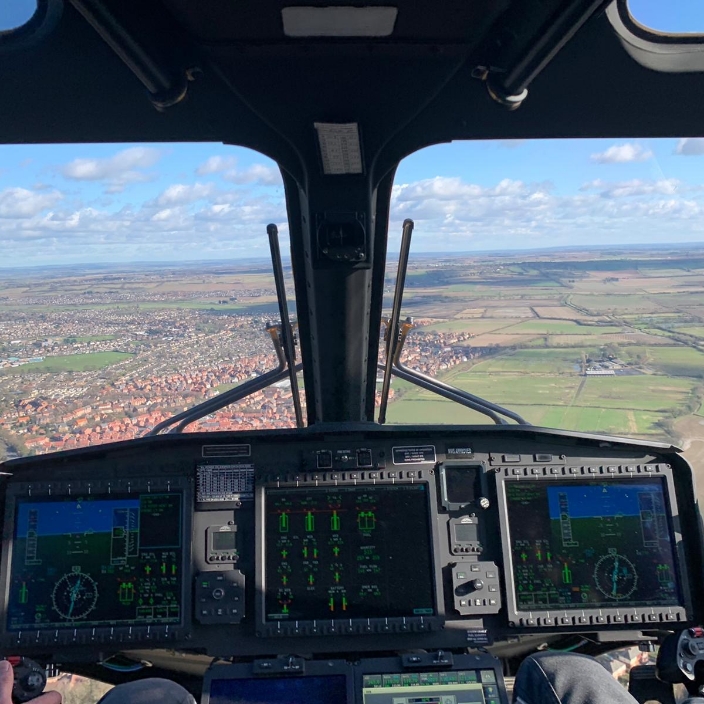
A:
x: 326, y: 628
x: 393, y: 474
x: 87, y: 636
x: 584, y: 470
x: 599, y: 619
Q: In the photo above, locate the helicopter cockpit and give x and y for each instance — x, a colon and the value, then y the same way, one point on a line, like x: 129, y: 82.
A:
x: 347, y: 560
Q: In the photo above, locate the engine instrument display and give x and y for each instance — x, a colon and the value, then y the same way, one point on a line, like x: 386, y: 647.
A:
x: 591, y: 544
x: 96, y: 561
x: 348, y: 552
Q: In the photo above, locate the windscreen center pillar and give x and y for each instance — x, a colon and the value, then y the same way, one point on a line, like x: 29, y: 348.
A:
x: 332, y: 253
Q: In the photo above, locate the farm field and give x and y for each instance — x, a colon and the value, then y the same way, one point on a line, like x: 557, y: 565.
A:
x: 71, y: 363
x: 640, y: 324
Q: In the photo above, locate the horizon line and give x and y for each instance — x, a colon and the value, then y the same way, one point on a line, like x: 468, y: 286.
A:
x: 390, y: 256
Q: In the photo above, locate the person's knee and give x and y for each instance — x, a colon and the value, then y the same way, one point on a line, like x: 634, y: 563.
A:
x: 149, y: 691
x: 552, y: 663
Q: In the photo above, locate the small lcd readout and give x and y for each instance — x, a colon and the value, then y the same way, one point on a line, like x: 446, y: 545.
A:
x: 224, y: 540
x: 348, y: 552
x: 94, y: 561
x: 462, y: 484
x: 590, y: 544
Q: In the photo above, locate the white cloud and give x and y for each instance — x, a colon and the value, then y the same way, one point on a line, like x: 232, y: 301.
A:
x: 125, y: 167
x: 691, y: 146
x: 181, y: 194
x: 256, y: 174
x: 634, y: 187
x: 216, y: 164
x: 622, y: 154
x: 23, y: 203
x: 451, y: 214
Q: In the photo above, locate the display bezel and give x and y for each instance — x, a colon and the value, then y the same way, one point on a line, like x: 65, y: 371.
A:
x: 394, y: 665
x: 479, y: 475
x: 105, y: 489
x: 255, y: 670
x: 646, y: 617
x: 358, y: 626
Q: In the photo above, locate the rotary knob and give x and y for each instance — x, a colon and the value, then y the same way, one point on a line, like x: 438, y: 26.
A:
x: 477, y: 584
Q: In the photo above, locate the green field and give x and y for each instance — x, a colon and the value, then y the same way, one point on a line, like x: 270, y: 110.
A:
x: 695, y: 330
x: 646, y: 392
x: 562, y: 327
x: 591, y: 420
x: 473, y: 325
x: 510, y: 389
x: 533, y: 361
x: 674, y: 361
x: 622, y: 303
x: 71, y: 363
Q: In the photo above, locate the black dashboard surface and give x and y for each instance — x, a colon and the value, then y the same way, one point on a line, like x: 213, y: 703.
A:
x: 348, y: 539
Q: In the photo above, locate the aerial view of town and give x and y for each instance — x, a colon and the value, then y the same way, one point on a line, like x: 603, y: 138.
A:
x: 597, y: 341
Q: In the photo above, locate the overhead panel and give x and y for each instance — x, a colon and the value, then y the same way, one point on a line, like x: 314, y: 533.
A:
x: 339, y: 21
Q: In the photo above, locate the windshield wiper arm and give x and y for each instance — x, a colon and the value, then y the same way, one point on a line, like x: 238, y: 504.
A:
x: 286, y: 329
x: 227, y: 398
x: 392, y: 330
x: 448, y: 391
x: 281, y: 336
x: 396, y: 337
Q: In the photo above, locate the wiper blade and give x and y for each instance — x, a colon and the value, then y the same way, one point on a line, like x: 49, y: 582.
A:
x: 396, y: 334
x: 286, y: 329
x: 392, y: 330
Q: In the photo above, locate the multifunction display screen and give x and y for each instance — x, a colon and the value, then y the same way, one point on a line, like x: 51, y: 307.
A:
x: 280, y: 690
x: 591, y: 544
x: 455, y: 687
x: 348, y: 552
x: 84, y: 561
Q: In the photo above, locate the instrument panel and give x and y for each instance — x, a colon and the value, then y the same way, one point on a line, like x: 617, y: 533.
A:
x: 364, y: 540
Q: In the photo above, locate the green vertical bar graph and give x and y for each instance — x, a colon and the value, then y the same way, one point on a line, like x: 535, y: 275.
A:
x: 310, y: 522
x: 283, y: 523
x: 566, y: 575
x: 334, y: 521
x: 366, y: 520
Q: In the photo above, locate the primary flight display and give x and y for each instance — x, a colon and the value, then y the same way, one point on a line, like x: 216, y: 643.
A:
x: 591, y: 544
x: 88, y: 561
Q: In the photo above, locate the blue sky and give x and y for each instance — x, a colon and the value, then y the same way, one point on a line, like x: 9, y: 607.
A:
x: 108, y: 203
x: 117, y: 202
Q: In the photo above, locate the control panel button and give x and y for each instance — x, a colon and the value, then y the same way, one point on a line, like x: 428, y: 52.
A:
x: 324, y: 459
x: 364, y: 458
x: 469, y: 589
x: 220, y: 597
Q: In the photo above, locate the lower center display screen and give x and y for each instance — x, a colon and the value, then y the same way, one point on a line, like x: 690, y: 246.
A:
x: 591, y: 544
x: 282, y: 690
x: 96, y: 561
x: 348, y: 552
